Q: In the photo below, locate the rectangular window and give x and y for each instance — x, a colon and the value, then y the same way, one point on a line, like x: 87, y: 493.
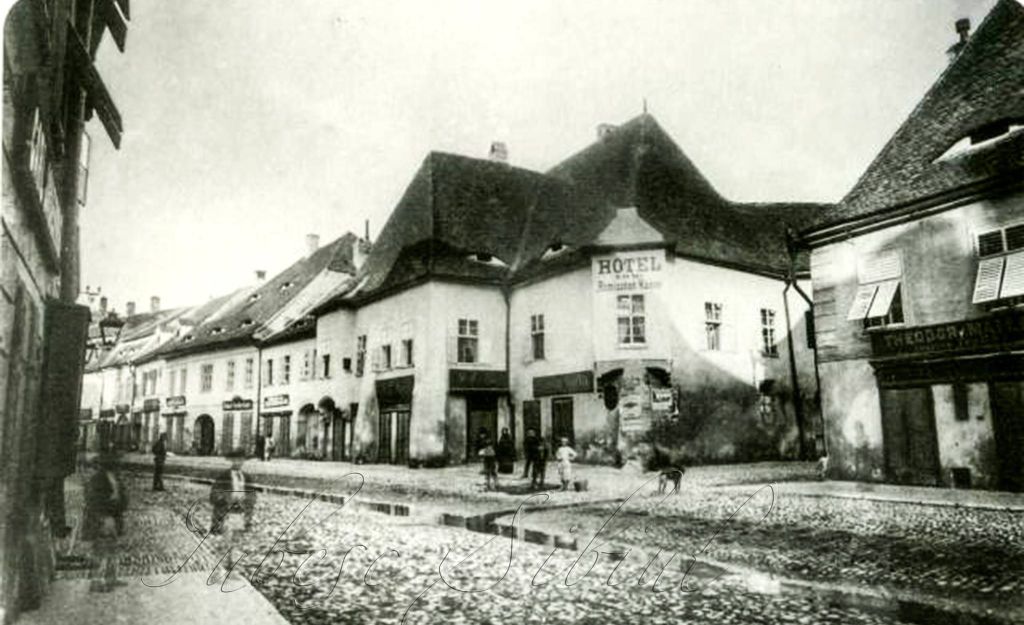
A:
x: 713, y: 326
x: 286, y: 370
x: 385, y: 357
x: 326, y: 366
x: 537, y: 336
x: 249, y: 371
x: 268, y: 372
x: 960, y: 403
x: 307, y: 364
x: 468, y: 347
x: 230, y: 383
x: 1000, y: 273
x: 346, y: 365
x: 360, y: 354
x: 183, y: 378
x: 631, y: 318
x: 768, y: 345
x: 407, y: 360
x: 206, y: 378
x: 878, y: 301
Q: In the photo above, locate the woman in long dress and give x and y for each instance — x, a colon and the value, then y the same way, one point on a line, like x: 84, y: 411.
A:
x: 564, y: 457
x: 506, y: 453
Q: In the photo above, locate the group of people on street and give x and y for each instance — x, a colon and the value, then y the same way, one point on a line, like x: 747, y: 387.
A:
x: 501, y: 457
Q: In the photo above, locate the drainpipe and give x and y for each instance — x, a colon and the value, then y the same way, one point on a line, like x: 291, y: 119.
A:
x: 797, y: 395
x: 506, y: 293
x: 259, y: 389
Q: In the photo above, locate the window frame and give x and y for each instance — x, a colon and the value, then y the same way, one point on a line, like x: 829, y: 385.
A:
x: 635, y: 319
x: 360, y: 355
x: 537, y: 338
x: 769, y: 348
x: 468, y: 336
x: 206, y: 377
x: 713, y: 313
x: 229, y: 381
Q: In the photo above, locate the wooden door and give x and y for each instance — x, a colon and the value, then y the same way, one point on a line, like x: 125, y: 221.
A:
x: 245, y: 432
x: 481, y: 413
x: 1008, y: 422
x: 283, y: 440
x: 908, y: 429
x: 339, y: 427
x: 227, y: 432
x: 384, y: 437
x: 401, y: 437
x: 562, y: 421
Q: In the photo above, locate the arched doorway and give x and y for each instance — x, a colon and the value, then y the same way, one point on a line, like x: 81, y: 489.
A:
x: 203, y: 435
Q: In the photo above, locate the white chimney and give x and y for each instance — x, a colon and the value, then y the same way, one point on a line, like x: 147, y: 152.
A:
x: 261, y: 275
x: 605, y: 130
x: 360, y: 250
x: 154, y: 304
x: 312, y: 244
x: 499, y: 152
x: 129, y: 309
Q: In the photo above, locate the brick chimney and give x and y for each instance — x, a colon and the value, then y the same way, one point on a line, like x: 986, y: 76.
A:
x: 154, y: 304
x: 129, y: 309
x: 312, y: 244
x: 499, y: 152
x: 963, y: 29
x: 604, y: 131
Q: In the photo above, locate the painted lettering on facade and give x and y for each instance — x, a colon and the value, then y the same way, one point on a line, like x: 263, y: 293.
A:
x: 986, y: 332
x: 629, y: 271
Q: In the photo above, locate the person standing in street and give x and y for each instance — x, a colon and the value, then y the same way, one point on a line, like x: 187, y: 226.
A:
x: 530, y: 447
x: 261, y: 446
x: 268, y: 448
x: 231, y: 492
x: 564, y: 457
x: 540, y: 462
x: 159, y: 459
x: 506, y: 453
x: 106, y: 501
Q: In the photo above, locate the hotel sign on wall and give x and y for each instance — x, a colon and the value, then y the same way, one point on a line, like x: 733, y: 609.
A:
x: 629, y: 271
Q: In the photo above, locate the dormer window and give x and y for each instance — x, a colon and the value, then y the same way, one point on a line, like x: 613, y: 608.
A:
x: 286, y: 286
x: 246, y: 323
x: 487, y: 259
x: 985, y: 136
x: 555, y: 249
x: 217, y: 330
x: 254, y: 297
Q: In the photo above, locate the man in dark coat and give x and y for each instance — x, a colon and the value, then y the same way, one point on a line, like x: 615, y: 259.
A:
x: 261, y: 446
x: 159, y: 458
x: 540, y: 462
x: 531, y: 447
x: 232, y: 492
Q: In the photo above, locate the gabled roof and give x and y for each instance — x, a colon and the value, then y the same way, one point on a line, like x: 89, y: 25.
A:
x: 983, y: 85
x: 237, y: 323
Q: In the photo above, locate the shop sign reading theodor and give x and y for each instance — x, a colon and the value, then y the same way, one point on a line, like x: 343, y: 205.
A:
x: 629, y: 271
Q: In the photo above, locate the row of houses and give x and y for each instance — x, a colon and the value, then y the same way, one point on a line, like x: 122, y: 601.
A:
x: 616, y: 300
x: 620, y: 301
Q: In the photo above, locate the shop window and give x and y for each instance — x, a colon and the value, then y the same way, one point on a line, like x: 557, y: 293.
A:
x: 713, y: 326
x: 537, y: 336
x: 230, y: 383
x: 768, y: 345
x: 878, y: 301
x: 249, y: 369
x: 360, y: 354
x: 407, y: 360
x: 468, y: 341
x: 631, y: 320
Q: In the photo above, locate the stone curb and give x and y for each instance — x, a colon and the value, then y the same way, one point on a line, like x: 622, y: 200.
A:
x: 912, y: 502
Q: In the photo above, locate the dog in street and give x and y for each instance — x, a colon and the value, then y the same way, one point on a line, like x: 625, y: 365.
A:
x: 669, y: 475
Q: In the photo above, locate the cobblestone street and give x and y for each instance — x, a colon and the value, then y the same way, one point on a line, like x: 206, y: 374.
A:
x: 331, y: 565
x: 320, y: 561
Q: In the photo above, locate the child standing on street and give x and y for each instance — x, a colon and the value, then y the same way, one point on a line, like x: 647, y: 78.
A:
x: 489, y: 455
x: 564, y: 457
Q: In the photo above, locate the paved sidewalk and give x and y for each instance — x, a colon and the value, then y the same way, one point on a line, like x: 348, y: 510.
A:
x: 924, y: 495
x: 186, y: 600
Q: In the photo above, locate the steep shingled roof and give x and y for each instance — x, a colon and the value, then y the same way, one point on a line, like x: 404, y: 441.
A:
x: 458, y: 206
x: 984, y: 84
x: 237, y: 324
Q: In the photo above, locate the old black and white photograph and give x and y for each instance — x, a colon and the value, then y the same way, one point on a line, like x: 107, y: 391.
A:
x: 491, y: 312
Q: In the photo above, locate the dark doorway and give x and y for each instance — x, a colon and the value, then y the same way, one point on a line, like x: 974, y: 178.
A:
x: 908, y: 428
x: 384, y: 437
x: 562, y: 420
x: 339, y: 432
x: 227, y: 430
x: 1008, y: 424
x: 203, y: 435
x: 245, y: 432
x: 283, y: 438
x: 401, y: 420
x: 531, y: 416
x: 481, y: 413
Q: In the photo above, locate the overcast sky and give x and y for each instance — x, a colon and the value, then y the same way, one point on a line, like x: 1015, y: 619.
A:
x: 250, y: 123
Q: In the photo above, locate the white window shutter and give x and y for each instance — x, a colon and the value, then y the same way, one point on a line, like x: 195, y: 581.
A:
x: 883, y: 266
x: 485, y: 345
x: 862, y: 302
x: 453, y: 348
x: 528, y: 348
x: 1013, y: 276
x: 989, y: 277
x: 883, y: 299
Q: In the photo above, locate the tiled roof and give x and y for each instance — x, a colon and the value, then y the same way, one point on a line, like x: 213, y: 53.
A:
x: 236, y: 323
x: 983, y: 85
x: 457, y: 208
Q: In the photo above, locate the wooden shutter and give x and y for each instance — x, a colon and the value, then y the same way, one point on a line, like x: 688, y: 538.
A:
x: 990, y: 243
x: 883, y: 299
x: 990, y: 275
x: 485, y: 346
x: 882, y: 266
x: 862, y: 302
x: 1013, y: 276
x: 67, y: 327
